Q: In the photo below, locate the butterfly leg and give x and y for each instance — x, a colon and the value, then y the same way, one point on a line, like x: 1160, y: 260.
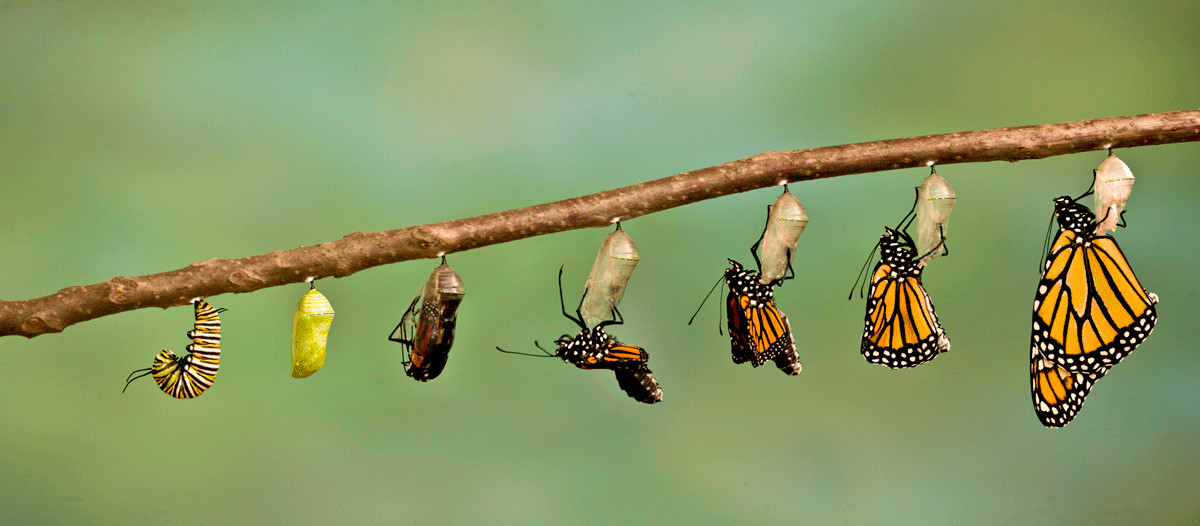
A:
x: 578, y: 319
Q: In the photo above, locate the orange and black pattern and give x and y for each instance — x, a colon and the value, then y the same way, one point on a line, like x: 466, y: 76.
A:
x: 757, y: 330
x: 191, y: 375
x: 1089, y: 313
x: 595, y: 349
x: 901, y: 328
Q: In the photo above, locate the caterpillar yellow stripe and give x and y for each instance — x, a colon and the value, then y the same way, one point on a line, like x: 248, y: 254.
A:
x: 310, y: 331
x: 189, y: 376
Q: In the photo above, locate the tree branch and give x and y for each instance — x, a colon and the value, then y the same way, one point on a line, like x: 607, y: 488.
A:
x: 361, y: 250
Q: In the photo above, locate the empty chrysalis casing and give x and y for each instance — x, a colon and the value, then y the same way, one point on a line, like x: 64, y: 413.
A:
x: 614, y: 265
x: 427, y: 328
x: 1114, y: 183
x: 310, y: 331
x: 785, y: 222
x: 935, y: 200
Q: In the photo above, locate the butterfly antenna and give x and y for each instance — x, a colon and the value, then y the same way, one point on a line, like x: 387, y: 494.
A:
x: 861, y: 272
x: 721, y: 315
x: 710, y: 291
x: 525, y: 354
x: 1046, y: 243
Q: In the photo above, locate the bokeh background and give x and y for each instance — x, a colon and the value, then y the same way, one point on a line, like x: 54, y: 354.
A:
x: 137, y: 139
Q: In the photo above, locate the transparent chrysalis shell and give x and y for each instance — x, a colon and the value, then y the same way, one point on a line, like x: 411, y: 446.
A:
x: 427, y: 328
x: 1114, y: 182
x: 310, y: 330
x: 785, y: 222
x: 614, y: 265
x: 935, y: 199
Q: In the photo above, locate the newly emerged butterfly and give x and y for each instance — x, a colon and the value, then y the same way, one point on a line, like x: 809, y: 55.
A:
x: 758, y: 331
x: 310, y: 333
x: 1089, y: 313
x: 901, y: 328
x: 596, y: 349
x: 194, y: 373
x: 426, y: 331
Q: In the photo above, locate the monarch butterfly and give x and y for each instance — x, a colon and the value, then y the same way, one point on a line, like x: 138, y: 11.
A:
x: 595, y: 349
x: 786, y: 219
x: 757, y: 330
x: 1089, y: 313
x: 427, y: 331
x: 935, y: 200
x: 902, y: 329
x: 191, y: 375
x: 615, y: 262
x: 310, y: 333
x: 1113, y: 183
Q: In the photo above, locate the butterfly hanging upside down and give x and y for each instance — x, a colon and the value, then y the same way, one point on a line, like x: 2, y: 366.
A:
x: 596, y: 349
x: 758, y: 331
x: 901, y: 328
x: 1089, y: 313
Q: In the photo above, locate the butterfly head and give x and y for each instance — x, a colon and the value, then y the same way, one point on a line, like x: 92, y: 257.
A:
x: 744, y: 282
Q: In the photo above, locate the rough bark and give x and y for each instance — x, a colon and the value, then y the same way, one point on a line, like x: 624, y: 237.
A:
x: 360, y: 250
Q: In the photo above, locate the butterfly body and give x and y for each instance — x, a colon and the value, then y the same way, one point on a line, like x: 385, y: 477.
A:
x: 758, y: 331
x: 1089, y: 313
x: 595, y: 349
x: 901, y: 327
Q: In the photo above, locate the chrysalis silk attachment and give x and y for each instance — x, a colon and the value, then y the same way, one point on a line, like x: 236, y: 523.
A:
x: 427, y: 328
x: 610, y: 273
x: 935, y: 199
x: 785, y: 222
x: 310, y: 330
x: 1113, y: 184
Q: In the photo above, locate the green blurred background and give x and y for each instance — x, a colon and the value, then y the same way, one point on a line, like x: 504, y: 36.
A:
x: 138, y: 139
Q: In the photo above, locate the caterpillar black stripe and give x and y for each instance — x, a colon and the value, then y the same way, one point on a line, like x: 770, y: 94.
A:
x: 194, y: 373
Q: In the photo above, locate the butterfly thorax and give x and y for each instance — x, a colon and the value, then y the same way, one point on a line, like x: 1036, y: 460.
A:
x: 745, y: 285
x: 898, y: 252
x: 1073, y: 216
x: 586, y: 342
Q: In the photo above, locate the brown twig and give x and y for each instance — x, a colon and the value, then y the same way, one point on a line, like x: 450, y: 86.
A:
x: 361, y: 250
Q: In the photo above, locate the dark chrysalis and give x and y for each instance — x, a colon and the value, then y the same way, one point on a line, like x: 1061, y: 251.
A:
x: 426, y: 331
